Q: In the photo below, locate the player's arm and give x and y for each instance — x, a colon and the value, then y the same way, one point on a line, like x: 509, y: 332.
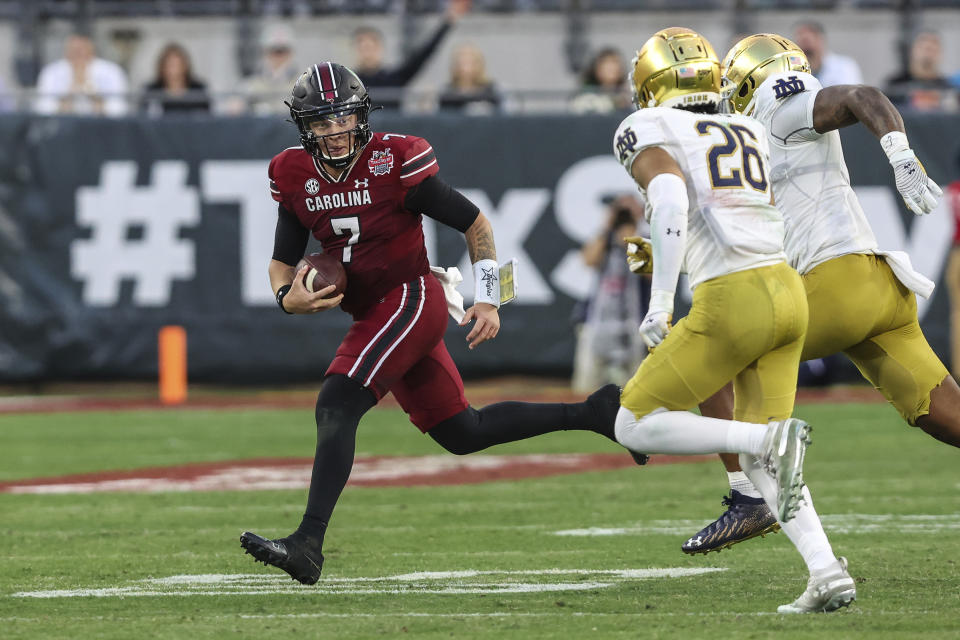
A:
x: 660, y: 176
x: 844, y: 105
x: 435, y: 198
x: 289, y: 243
x: 486, y: 273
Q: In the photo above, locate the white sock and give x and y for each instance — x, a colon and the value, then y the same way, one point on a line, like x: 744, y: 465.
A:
x: 804, y: 530
x: 741, y: 483
x: 685, y: 433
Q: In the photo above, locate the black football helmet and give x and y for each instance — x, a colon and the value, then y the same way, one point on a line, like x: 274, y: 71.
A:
x: 330, y: 90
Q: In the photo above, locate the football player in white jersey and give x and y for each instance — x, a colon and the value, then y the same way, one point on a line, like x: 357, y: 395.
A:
x: 861, y: 298
x: 705, y: 179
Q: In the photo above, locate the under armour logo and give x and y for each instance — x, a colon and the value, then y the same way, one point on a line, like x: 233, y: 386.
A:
x: 361, y: 183
x: 787, y: 87
x: 695, y: 542
x: 676, y: 231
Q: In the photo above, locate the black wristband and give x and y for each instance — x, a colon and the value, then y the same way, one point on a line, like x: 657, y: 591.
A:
x: 282, y: 291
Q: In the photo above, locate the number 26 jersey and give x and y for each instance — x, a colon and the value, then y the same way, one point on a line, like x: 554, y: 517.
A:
x: 732, y: 225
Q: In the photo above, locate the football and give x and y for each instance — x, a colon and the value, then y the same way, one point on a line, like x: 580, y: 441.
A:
x: 323, y: 270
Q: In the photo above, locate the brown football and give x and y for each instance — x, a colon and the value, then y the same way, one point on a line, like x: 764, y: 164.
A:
x: 323, y: 270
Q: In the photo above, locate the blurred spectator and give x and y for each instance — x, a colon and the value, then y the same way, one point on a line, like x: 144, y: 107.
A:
x: 609, y: 348
x: 922, y: 84
x: 828, y: 67
x: 81, y: 83
x: 369, y: 64
x: 605, y: 87
x: 470, y: 90
x: 953, y: 279
x: 174, y: 88
x: 267, y: 90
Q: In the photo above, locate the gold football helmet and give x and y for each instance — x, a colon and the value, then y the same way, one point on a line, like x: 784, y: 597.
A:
x: 675, y: 67
x: 751, y: 61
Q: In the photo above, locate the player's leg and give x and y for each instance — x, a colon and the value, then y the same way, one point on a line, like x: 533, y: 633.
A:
x: 837, y: 292
x: 766, y: 390
x: 746, y: 515
x: 943, y: 421
x: 340, y: 405
x: 380, y: 346
x: 903, y: 367
x: 733, y: 321
x: 897, y: 359
x: 431, y: 392
x: 720, y: 405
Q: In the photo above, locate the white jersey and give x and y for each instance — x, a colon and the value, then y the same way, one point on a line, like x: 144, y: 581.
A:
x: 811, y: 185
x: 724, y: 158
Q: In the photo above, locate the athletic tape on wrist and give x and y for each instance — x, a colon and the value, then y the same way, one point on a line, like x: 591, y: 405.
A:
x: 486, y: 278
x: 661, y: 300
x: 894, y: 143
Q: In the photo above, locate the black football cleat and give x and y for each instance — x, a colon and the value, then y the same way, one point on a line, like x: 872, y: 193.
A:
x: 290, y: 554
x: 744, y: 518
x: 604, y: 403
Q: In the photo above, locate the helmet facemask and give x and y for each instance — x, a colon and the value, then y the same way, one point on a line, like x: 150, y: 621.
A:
x: 321, y: 147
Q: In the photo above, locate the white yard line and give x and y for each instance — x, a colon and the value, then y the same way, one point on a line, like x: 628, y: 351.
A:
x: 840, y: 523
x: 433, y: 582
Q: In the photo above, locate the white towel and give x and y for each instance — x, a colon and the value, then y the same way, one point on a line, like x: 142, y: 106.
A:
x: 449, y: 279
x: 901, y: 266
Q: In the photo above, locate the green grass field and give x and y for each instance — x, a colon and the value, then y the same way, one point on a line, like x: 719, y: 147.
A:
x: 888, y: 494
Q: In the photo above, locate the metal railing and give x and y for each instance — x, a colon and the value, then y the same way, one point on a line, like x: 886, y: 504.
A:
x: 72, y: 9
x: 556, y: 101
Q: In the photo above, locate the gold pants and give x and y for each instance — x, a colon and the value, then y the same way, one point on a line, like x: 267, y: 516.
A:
x: 858, y: 306
x: 953, y: 289
x: 747, y: 327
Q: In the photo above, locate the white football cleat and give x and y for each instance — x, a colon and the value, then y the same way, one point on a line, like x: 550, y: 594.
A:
x: 827, y: 591
x: 785, y: 447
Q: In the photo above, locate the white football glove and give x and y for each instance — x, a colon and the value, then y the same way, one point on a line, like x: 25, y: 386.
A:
x: 655, y: 327
x: 920, y: 193
x: 656, y: 324
x: 639, y: 254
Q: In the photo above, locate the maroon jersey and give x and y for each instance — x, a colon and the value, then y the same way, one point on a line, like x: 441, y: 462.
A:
x: 360, y: 217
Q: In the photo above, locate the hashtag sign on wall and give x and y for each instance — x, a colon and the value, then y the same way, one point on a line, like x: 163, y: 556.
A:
x: 153, y: 259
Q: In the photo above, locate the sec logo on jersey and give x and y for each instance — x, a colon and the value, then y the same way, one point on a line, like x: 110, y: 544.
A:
x: 312, y: 186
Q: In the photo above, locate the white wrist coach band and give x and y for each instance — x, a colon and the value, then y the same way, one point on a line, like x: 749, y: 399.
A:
x: 486, y: 278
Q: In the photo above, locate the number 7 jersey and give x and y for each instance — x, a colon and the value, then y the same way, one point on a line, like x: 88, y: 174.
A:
x: 360, y: 217
x: 732, y: 225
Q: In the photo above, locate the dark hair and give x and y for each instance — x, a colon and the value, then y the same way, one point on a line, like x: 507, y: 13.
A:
x: 174, y: 49
x: 590, y: 73
x: 710, y: 108
x: 621, y: 216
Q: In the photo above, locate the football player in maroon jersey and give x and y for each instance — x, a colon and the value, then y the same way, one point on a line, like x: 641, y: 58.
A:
x: 361, y: 194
